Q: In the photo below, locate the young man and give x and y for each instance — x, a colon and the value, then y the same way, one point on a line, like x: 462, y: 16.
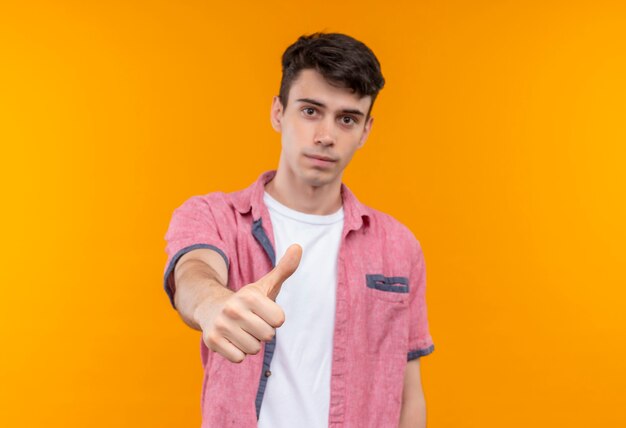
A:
x: 311, y: 305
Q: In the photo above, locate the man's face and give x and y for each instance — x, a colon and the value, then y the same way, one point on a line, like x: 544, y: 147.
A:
x: 322, y: 126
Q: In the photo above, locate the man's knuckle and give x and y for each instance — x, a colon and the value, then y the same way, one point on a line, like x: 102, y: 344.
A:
x: 220, y: 326
x: 231, y: 311
x: 280, y: 319
x: 269, y: 335
x: 249, y: 298
x: 255, y: 349
x: 211, y: 340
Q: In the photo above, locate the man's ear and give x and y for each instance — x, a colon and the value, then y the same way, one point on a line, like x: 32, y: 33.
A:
x: 276, y: 114
x: 366, y: 131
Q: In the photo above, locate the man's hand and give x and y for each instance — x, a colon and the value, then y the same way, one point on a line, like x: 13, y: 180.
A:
x: 235, y: 325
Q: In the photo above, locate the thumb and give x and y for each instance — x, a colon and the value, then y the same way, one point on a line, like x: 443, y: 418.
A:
x: 273, y: 281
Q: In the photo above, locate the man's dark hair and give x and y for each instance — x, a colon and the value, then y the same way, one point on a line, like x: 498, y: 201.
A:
x: 342, y: 60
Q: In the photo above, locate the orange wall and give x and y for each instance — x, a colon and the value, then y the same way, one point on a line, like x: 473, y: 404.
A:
x: 499, y: 140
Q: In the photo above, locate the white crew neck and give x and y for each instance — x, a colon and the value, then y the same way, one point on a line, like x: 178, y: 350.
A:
x: 281, y: 209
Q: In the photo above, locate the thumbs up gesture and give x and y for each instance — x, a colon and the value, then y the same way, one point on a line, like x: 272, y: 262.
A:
x: 235, y: 325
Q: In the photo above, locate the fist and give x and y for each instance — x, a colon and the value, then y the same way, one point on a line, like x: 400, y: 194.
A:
x: 236, y: 325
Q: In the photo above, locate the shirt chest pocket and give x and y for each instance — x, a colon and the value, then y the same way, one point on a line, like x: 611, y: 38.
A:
x: 389, y: 288
x: 386, y: 312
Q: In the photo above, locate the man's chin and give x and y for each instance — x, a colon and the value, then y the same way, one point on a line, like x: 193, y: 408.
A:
x: 318, y: 178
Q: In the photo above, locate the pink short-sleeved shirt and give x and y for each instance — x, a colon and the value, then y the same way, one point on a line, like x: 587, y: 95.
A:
x: 380, y: 320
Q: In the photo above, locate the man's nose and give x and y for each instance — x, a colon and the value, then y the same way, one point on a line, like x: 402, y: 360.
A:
x: 325, y: 133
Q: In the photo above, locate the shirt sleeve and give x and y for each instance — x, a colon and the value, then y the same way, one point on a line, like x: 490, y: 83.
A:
x: 420, y: 341
x: 192, y: 226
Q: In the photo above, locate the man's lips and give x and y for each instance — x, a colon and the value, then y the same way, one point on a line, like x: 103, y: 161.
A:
x: 321, y: 157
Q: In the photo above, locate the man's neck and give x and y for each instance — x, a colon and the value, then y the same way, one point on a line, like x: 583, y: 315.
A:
x: 299, y: 196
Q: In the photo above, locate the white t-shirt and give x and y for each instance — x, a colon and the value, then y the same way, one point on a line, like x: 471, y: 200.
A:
x: 298, y: 391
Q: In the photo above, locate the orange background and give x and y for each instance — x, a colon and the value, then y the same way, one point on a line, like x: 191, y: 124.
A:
x: 499, y: 140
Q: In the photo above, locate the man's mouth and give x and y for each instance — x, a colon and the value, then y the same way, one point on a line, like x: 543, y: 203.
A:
x: 321, y: 157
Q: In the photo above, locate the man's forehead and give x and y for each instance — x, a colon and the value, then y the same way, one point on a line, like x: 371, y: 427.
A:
x: 311, y: 85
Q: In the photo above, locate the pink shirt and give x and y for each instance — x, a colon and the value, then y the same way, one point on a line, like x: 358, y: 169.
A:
x: 380, y: 320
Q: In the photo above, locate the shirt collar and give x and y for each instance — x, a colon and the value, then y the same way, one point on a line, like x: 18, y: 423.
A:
x: 355, y: 213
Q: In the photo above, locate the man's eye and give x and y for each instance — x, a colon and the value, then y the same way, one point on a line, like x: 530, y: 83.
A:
x: 348, y: 120
x: 309, y: 111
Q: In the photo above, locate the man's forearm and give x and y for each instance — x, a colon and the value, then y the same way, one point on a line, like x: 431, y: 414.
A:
x: 413, y: 414
x: 197, y: 284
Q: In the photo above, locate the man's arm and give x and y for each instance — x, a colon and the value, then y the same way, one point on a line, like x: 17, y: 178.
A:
x: 200, y: 275
x: 413, y: 413
x: 233, y: 324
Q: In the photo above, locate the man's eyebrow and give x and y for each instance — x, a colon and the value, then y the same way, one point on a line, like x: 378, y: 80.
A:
x: 320, y: 104
x: 311, y: 101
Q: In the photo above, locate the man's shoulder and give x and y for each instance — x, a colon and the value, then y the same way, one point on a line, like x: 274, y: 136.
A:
x: 209, y: 200
x: 220, y: 200
x: 386, y: 225
x: 240, y: 200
